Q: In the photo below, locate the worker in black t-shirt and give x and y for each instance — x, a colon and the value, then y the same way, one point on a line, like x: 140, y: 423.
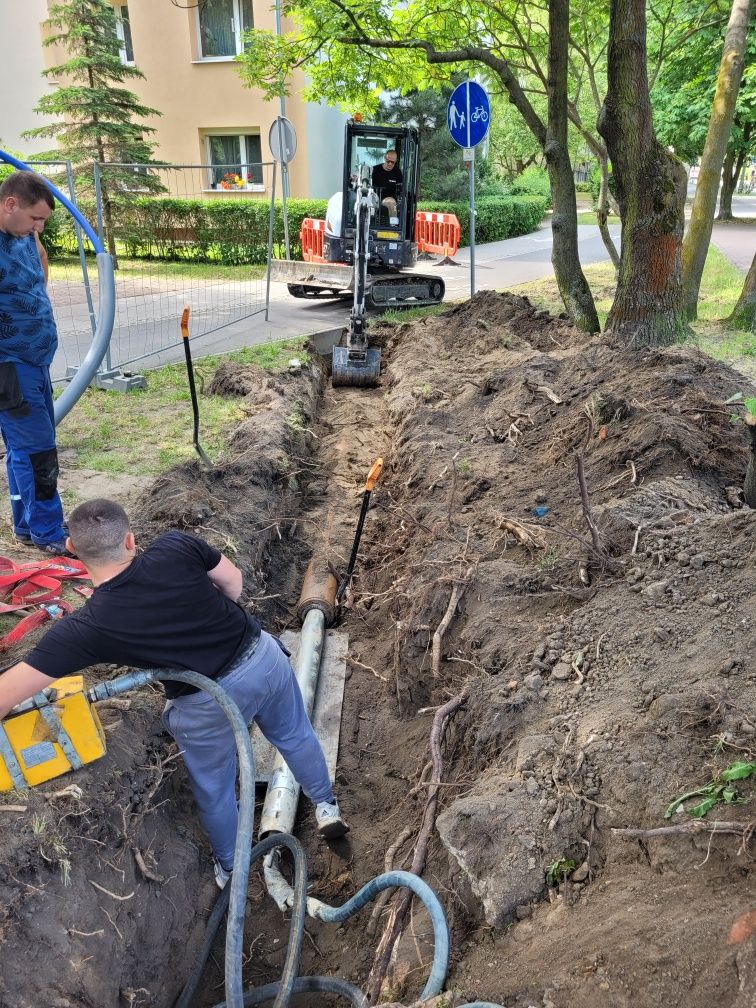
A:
x: 175, y: 605
x: 387, y: 178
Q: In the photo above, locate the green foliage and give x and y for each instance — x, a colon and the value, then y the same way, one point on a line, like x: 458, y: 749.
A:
x: 683, y: 92
x: 229, y: 232
x: 750, y: 405
x: 559, y: 870
x: 534, y: 181
x: 94, y: 120
x: 720, y: 789
x: 497, y: 218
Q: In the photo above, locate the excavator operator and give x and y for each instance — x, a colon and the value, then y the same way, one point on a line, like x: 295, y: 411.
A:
x: 387, y: 179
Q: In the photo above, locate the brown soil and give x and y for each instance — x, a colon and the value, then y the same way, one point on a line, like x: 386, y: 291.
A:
x: 605, y: 677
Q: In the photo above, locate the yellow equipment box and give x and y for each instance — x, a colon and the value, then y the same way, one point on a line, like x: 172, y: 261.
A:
x: 54, y: 732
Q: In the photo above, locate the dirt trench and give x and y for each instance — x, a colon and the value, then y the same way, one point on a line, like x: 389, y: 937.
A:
x: 604, y: 673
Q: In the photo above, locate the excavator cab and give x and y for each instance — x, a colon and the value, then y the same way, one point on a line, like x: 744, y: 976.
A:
x: 391, y: 233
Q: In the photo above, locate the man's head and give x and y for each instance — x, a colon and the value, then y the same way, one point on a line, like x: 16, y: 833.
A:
x: 390, y: 159
x: 99, y: 533
x: 25, y: 204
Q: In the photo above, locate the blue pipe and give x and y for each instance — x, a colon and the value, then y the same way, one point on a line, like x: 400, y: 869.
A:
x: 406, y: 880
x: 106, y: 313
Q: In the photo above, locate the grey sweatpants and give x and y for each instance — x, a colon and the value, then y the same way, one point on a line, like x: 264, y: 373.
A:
x: 266, y: 691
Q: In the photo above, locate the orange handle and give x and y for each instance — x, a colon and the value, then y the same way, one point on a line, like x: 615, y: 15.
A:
x: 375, y: 472
x: 185, y: 322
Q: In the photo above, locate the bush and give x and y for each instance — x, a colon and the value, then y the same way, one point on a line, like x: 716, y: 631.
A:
x: 534, y: 181
x: 496, y: 218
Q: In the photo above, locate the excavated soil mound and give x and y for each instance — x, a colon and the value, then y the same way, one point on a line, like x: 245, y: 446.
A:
x: 558, y: 541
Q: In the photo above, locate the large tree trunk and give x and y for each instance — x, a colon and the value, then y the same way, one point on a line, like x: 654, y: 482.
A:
x: 651, y: 186
x: 730, y: 171
x: 696, y: 243
x: 744, y: 313
x: 576, y: 294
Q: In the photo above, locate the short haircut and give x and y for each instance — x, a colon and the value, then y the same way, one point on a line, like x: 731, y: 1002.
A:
x: 97, y: 529
x: 28, y: 189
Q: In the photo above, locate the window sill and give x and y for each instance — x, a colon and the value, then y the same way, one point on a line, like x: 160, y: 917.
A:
x: 215, y: 59
x: 237, y: 192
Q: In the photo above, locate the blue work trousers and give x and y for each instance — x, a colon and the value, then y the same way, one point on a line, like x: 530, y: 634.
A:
x: 27, y: 422
x: 266, y: 691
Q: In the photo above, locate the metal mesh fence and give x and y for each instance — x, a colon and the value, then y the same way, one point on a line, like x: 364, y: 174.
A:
x: 193, y: 235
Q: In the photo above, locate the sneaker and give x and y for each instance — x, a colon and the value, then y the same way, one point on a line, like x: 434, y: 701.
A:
x: 330, y: 824
x: 221, y: 875
x: 56, y: 549
x: 23, y: 538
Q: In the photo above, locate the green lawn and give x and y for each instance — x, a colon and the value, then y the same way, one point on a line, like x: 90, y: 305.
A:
x: 148, y: 430
x: 69, y: 268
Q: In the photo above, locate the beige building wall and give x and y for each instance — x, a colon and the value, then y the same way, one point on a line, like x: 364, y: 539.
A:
x: 21, y: 80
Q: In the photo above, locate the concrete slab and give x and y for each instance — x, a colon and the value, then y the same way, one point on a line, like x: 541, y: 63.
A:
x: 329, y: 696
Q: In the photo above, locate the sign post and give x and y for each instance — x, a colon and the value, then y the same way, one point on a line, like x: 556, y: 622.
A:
x: 282, y: 141
x: 468, y: 116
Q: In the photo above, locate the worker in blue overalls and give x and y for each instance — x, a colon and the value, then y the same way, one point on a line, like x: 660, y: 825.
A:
x: 28, y: 340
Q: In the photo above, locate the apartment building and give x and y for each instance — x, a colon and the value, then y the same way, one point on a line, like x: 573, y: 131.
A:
x: 186, y: 53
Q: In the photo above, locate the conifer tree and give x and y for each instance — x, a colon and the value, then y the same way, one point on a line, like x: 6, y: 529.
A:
x: 95, y: 120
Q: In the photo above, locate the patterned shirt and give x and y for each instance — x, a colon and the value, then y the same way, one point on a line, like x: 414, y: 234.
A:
x: 27, y: 324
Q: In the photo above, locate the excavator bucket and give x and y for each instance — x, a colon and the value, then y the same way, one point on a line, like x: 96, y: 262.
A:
x: 361, y: 368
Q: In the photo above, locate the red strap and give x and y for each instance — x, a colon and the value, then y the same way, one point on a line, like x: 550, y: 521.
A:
x: 32, y: 621
x: 37, y: 588
x: 64, y: 568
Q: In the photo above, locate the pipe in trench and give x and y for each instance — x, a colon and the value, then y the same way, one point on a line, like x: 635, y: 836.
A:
x: 316, y: 609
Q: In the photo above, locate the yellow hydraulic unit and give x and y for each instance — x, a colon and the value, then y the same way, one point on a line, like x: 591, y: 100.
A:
x: 55, y: 731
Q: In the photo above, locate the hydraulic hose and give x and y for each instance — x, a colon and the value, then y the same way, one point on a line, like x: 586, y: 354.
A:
x: 243, y: 850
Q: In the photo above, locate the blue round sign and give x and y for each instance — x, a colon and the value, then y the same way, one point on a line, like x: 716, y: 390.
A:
x: 468, y: 114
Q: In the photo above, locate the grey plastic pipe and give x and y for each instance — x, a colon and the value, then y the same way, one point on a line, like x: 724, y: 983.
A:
x: 280, y: 807
x: 106, y: 314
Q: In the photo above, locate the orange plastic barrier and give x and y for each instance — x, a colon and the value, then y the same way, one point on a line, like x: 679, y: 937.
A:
x: 311, y: 236
x: 437, y: 232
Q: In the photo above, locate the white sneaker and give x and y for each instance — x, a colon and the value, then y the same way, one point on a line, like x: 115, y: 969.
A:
x: 330, y: 824
x: 221, y: 875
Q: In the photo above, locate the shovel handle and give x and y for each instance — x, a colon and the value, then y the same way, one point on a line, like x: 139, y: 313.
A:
x: 372, y: 476
x: 185, y: 322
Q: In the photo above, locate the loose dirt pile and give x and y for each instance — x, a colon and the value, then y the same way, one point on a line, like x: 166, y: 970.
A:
x: 603, y: 644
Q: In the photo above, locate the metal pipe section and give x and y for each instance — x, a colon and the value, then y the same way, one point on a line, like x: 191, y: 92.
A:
x: 316, y: 609
x: 100, y: 341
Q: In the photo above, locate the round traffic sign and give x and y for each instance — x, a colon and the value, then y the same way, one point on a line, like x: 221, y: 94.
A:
x: 282, y: 140
x: 469, y: 114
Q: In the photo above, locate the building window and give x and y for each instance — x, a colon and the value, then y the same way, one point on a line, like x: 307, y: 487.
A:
x: 123, y: 33
x: 236, y: 161
x: 221, y: 25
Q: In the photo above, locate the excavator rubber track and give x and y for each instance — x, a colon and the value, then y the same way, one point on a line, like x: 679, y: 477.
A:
x: 404, y: 290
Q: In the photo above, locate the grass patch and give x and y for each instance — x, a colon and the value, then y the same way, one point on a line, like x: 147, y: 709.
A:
x: 69, y: 268
x: 148, y: 430
x: 721, y: 284
x: 398, y: 315
x: 589, y: 217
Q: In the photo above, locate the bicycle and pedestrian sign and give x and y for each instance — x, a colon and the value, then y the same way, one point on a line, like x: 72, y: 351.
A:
x: 468, y: 114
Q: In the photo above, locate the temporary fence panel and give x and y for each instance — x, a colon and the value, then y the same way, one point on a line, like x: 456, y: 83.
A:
x: 437, y: 232
x: 311, y: 235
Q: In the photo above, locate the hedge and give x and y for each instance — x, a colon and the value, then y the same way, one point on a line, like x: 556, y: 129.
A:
x: 496, y: 217
x: 235, y: 231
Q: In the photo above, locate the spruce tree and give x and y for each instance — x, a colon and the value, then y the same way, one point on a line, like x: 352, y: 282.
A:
x: 96, y: 119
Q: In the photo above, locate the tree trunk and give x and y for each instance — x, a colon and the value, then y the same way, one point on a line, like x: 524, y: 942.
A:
x: 728, y: 186
x: 576, y: 294
x: 602, y: 212
x: 696, y: 243
x: 651, y: 185
x: 744, y: 313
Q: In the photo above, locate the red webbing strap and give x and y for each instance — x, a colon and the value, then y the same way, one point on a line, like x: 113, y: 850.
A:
x: 36, y: 588
x: 32, y: 621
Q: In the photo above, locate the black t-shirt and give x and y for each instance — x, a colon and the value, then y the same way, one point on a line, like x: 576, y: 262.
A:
x: 162, y: 611
x: 387, y: 182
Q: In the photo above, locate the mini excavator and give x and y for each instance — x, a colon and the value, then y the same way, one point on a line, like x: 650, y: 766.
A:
x: 366, y: 251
